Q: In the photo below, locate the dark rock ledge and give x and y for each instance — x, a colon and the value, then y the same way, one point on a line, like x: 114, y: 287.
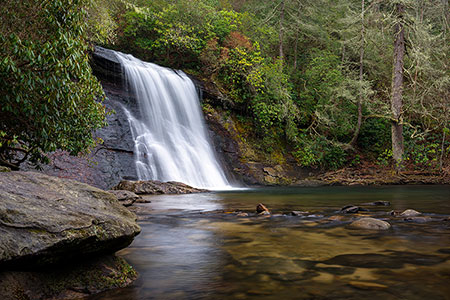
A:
x: 152, y: 187
x: 51, y: 226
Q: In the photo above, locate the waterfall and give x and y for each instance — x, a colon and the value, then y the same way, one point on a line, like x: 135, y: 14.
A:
x: 171, y: 141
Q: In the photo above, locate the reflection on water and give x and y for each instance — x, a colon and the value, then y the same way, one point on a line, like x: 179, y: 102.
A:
x: 192, y: 248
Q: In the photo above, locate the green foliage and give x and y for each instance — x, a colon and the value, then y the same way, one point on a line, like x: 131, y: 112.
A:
x: 318, y: 152
x: 375, y: 136
x: 47, y: 91
x: 385, y: 158
x: 310, y: 98
x: 322, y: 75
x: 423, y: 149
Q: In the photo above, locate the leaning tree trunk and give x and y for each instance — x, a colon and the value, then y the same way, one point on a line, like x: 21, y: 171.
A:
x: 397, y: 90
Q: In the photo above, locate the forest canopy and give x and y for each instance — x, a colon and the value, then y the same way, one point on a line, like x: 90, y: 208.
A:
x: 315, y: 74
x: 316, y: 77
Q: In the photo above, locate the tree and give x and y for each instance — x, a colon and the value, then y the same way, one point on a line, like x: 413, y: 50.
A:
x: 397, y: 88
x: 361, y: 77
x: 48, y: 95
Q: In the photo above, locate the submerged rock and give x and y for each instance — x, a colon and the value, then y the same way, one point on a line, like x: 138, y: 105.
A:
x: 261, y: 209
x: 410, y: 213
x: 336, y: 218
x: 370, y: 223
x: 127, y: 198
x: 298, y: 213
x: 394, y: 213
x: 417, y: 219
x: 377, y: 203
x: 157, y: 187
x: 365, y: 285
x: 242, y: 214
x: 351, y: 209
x: 46, y: 220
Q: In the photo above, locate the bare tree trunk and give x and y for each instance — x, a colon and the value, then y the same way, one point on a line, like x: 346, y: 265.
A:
x: 397, y: 90
x: 361, y: 77
x: 281, y: 33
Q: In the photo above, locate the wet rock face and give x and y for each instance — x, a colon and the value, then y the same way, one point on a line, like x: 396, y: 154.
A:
x: 239, y: 159
x: 109, y: 162
x: 112, y: 160
x: 152, y: 187
x: 46, y: 220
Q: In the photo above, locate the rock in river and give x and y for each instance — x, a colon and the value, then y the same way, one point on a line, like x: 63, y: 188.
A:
x: 410, y: 213
x: 261, y: 209
x: 46, y: 220
x: 351, y: 209
x: 370, y: 223
x: 377, y: 203
x: 127, y: 198
x: 156, y: 187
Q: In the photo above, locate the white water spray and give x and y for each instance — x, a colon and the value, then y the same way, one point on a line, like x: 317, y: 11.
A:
x: 171, y: 142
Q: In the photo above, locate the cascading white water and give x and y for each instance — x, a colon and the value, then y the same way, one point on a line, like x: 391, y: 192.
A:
x: 171, y: 142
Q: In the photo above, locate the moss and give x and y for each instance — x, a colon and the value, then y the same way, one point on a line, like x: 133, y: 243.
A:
x: 123, y: 276
x: 278, y: 157
x: 4, y: 169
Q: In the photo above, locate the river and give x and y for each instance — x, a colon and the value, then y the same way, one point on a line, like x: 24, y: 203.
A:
x: 196, y: 247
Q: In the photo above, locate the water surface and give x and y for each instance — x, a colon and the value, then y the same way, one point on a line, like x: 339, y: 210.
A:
x: 196, y: 247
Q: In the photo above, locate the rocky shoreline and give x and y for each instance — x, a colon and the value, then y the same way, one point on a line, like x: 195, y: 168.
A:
x: 381, y: 176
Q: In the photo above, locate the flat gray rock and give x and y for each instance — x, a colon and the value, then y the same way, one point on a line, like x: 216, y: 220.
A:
x: 45, y: 219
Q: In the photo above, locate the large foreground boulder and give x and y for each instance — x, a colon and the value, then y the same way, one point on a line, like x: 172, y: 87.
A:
x: 47, y: 220
x: 156, y: 187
